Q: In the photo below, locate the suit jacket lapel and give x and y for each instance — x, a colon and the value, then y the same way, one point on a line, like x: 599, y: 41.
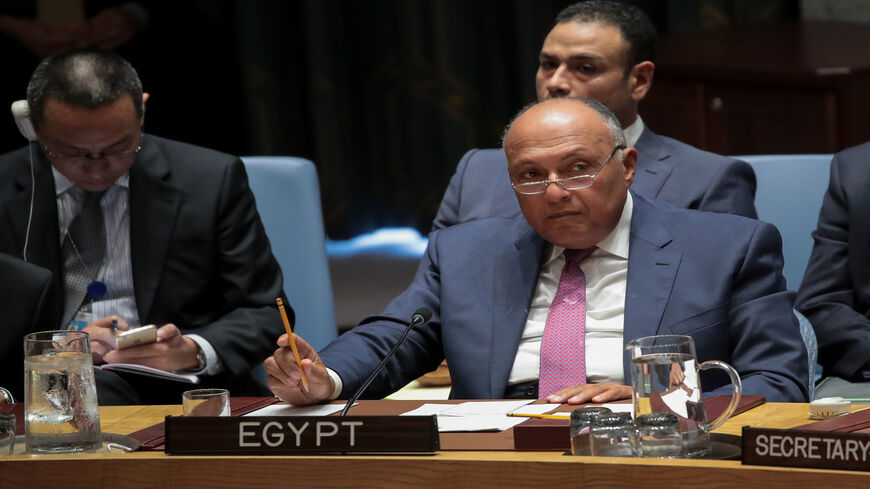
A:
x: 652, y: 269
x: 514, y: 279
x: 154, y: 205
x: 43, y: 248
x: 654, y: 164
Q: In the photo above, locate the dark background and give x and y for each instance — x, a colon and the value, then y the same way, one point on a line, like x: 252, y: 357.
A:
x: 383, y: 95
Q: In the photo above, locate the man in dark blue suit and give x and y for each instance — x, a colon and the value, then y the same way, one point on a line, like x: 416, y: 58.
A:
x: 835, y: 292
x: 605, y: 50
x: 655, y: 269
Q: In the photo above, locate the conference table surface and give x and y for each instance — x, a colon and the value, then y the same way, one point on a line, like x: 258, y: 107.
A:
x: 446, y: 468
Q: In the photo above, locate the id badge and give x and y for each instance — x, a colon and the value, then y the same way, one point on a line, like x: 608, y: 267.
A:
x: 81, y: 319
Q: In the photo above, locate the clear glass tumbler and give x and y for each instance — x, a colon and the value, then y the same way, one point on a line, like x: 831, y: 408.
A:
x: 613, y: 435
x: 658, y: 435
x: 206, y: 402
x: 581, y: 420
x: 7, y: 433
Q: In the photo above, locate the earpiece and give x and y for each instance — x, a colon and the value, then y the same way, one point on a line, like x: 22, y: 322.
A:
x: 21, y: 113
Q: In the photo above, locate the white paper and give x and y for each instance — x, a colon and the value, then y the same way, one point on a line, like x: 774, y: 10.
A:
x: 477, y: 423
x: 621, y: 408
x: 485, y: 408
x: 475, y: 415
x: 287, y: 410
x: 428, y: 409
x: 539, y: 409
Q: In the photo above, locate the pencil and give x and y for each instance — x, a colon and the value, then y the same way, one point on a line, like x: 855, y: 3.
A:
x: 292, y: 342
x: 540, y: 416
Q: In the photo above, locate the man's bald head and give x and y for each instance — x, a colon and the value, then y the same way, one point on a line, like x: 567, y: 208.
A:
x: 558, y: 139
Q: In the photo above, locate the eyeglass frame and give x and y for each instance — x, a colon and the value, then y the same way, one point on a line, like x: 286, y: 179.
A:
x: 88, y: 156
x: 561, y: 181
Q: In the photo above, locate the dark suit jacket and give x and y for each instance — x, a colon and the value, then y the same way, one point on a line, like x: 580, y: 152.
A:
x: 716, y: 277
x: 28, y: 304
x: 835, y: 292
x: 200, y: 255
x: 667, y: 169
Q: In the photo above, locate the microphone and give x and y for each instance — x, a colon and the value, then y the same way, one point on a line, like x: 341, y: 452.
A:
x: 420, y: 316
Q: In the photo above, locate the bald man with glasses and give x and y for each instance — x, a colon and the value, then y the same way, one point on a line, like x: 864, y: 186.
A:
x: 541, y: 305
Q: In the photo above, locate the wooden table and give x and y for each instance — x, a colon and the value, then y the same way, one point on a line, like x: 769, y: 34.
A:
x: 441, y: 470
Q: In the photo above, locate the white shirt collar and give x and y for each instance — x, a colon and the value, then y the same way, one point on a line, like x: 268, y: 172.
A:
x: 62, y: 183
x: 633, y: 131
x: 615, y: 243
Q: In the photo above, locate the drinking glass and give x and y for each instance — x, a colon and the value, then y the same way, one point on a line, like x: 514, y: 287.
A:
x: 7, y: 433
x: 60, y: 397
x: 581, y: 420
x: 613, y: 435
x: 665, y: 377
x: 658, y: 435
x: 206, y: 402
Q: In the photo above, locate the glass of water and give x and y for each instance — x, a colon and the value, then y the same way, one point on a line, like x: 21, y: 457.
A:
x: 60, y: 397
x: 206, y: 402
x: 613, y: 435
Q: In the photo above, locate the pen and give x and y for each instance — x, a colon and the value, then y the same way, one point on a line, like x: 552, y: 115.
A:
x: 292, y: 342
x: 114, y: 325
x: 540, y: 416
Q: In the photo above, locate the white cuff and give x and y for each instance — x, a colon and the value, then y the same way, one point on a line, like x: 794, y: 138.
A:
x: 213, y: 364
x: 338, y: 384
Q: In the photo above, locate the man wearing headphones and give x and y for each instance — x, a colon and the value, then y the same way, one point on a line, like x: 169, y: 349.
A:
x: 139, y: 230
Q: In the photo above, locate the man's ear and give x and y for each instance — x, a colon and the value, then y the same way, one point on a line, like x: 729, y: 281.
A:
x: 145, y: 97
x: 641, y: 77
x: 629, y: 162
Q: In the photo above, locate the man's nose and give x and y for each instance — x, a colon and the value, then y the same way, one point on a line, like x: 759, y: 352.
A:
x: 557, y: 83
x: 555, y: 192
x: 94, y: 167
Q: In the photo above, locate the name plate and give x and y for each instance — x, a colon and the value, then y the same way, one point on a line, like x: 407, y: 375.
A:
x: 801, y: 448
x: 276, y: 435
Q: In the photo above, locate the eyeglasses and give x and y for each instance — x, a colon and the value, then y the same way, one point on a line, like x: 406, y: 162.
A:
x: 85, y: 157
x: 569, y: 183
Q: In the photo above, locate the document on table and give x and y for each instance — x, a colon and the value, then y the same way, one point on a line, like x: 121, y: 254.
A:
x: 615, y: 408
x: 491, y: 415
x: 287, y: 410
x: 480, y: 415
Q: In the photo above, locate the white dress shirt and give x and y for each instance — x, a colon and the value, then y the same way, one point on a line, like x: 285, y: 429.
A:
x: 633, y: 132
x: 116, y: 271
x: 606, y: 271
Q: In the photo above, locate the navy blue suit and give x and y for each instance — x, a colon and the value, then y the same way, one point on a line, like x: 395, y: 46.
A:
x: 835, y: 292
x: 667, y: 169
x: 716, y: 277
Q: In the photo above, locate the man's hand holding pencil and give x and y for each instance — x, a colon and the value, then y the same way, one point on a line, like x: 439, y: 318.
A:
x: 285, y: 375
x: 290, y: 371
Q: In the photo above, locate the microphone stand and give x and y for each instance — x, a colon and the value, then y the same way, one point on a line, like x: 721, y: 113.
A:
x: 419, y: 317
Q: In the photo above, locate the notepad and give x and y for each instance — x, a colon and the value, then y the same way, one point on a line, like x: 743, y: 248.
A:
x: 149, y: 371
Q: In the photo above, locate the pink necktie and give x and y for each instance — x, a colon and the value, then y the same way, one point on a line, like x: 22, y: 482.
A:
x: 563, y: 347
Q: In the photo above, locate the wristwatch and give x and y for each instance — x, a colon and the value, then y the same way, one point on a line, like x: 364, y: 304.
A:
x: 200, y: 357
